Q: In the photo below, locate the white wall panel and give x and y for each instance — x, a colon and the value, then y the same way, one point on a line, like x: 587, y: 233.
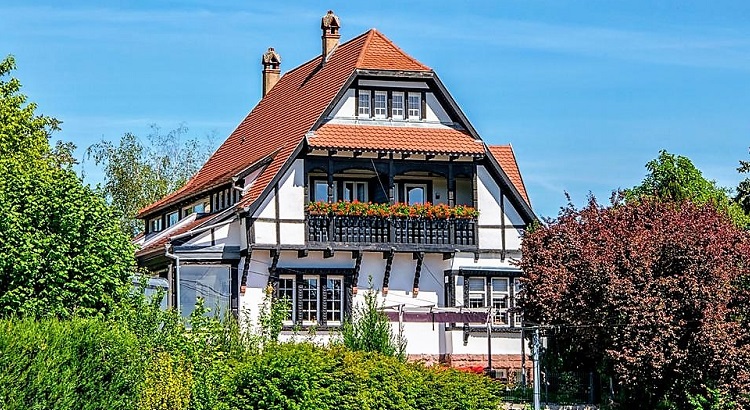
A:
x: 292, y: 192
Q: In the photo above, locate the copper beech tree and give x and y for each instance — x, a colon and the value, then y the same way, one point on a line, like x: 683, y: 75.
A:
x: 652, y: 293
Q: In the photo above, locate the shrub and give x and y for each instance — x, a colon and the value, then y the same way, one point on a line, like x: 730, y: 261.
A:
x: 167, y: 384
x: 74, y: 364
x: 369, y: 329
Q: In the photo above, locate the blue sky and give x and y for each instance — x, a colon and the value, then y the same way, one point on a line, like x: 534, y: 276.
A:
x: 586, y: 91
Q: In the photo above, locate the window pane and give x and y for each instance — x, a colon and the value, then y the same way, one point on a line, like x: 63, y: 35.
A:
x: 380, y: 103
x: 309, y: 300
x: 364, y: 103
x: 286, y: 292
x: 321, y: 191
x: 500, y: 284
x: 415, y: 195
x: 173, y: 218
x: 397, y: 104
x: 334, y: 299
x: 200, y: 208
x: 210, y: 282
x: 415, y: 105
x: 361, y: 192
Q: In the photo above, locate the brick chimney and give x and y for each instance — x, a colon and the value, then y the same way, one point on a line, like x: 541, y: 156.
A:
x: 330, y: 25
x: 271, y: 69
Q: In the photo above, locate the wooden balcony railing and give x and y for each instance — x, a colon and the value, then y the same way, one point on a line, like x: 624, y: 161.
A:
x: 391, y: 230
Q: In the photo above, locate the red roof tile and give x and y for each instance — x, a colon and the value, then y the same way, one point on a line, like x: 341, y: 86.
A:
x: 281, y: 119
x: 507, y: 160
x: 395, y: 138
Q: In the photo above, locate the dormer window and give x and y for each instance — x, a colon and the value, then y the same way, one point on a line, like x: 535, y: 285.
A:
x: 415, y: 106
x: 364, y: 103
x: 397, y: 106
x: 173, y: 218
x: 155, y: 225
x: 381, y: 104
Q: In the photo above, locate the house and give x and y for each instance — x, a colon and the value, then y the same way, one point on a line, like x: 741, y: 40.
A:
x: 287, y: 200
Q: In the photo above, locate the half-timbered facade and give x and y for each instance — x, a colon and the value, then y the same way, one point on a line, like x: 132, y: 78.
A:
x: 287, y: 201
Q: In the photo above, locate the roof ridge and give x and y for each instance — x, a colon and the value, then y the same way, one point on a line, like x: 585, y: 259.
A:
x: 404, y: 53
x: 369, y: 33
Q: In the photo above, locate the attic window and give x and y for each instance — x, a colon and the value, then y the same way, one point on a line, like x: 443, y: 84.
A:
x: 173, y: 218
x: 415, y: 106
x: 364, y: 104
x: 397, y: 110
x: 155, y: 225
x: 381, y: 103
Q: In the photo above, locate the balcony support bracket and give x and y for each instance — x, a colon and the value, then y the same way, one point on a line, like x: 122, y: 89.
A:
x: 387, y: 274
x: 357, y: 267
x: 419, y: 256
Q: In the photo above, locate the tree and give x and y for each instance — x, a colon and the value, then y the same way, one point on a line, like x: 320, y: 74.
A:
x: 136, y: 175
x: 648, y: 292
x: 61, y: 250
x: 742, y: 197
x: 674, y: 178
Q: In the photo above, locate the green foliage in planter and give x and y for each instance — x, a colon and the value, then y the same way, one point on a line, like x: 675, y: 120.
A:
x: 72, y: 364
x: 399, y: 209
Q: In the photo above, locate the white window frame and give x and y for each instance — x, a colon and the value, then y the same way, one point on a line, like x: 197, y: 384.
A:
x: 317, y: 311
x: 409, y: 185
x: 364, y: 110
x: 500, y: 302
x: 397, y: 108
x: 477, y: 294
x: 517, y: 288
x: 155, y: 225
x: 317, y: 183
x: 292, y: 318
x: 340, y: 300
x: 414, y: 113
x: 170, y: 223
x: 355, y: 185
x: 380, y: 104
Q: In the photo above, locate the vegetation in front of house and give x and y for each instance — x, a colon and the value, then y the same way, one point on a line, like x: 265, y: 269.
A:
x: 145, y: 358
x: 651, y: 291
x: 399, y: 210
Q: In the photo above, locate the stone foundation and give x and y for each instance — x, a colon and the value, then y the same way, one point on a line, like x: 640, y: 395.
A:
x: 507, y: 365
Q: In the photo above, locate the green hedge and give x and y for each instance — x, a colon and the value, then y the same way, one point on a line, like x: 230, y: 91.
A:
x: 108, y: 364
x: 73, y: 364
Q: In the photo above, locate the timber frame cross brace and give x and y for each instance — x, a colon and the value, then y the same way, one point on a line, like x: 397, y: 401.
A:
x: 419, y: 256
x: 388, y: 265
x: 357, y: 255
x: 273, y: 276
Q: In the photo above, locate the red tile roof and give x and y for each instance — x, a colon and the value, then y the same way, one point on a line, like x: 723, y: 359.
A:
x: 407, y: 139
x: 507, y: 160
x: 281, y: 119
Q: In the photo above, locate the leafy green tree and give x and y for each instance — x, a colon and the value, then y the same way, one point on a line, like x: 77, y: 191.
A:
x: 138, y: 174
x: 742, y: 197
x: 61, y: 249
x: 674, y: 178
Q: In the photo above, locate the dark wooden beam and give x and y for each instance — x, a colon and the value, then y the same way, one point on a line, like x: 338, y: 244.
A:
x: 357, y: 154
x: 328, y: 253
x: 447, y: 255
x: 302, y: 253
x: 419, y: 256
x: 387, y: 274
x: 429, y: 156
x: 405, y: 156
x: 273, y: 276
x: 355, y: 276
x: 245, y: 270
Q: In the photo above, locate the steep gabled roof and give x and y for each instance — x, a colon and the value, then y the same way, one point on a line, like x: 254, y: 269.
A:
x: 507, y: 159
x: 404, y: 139
x: 282, y: 118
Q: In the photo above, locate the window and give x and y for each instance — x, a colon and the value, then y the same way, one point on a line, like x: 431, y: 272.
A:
x: 173, y: 218
x: 397, y: 106
x: 500, y: 298
x: 286, y: 292
x: 209, y: 282
x: 310, y: 300
x: 314, y: 299
x: 381, y: 104
x: 321, y: 191
x: 517, y: 288
x: 334, y: 291
x: 480, y: 290
x: 415, y: 193
x: 155, y: 225
x: 415, y: 105
x: 364, y: 104
x: 355, y: 191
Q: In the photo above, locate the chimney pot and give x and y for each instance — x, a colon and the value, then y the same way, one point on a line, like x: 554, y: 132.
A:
x: 330, y: 25
x: 271, y: 69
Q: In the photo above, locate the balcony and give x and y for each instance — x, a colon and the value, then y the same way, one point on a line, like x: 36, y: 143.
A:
x: 407, y: 233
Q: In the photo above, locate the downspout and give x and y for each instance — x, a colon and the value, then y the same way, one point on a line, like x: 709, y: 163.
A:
x: 176, y: 273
